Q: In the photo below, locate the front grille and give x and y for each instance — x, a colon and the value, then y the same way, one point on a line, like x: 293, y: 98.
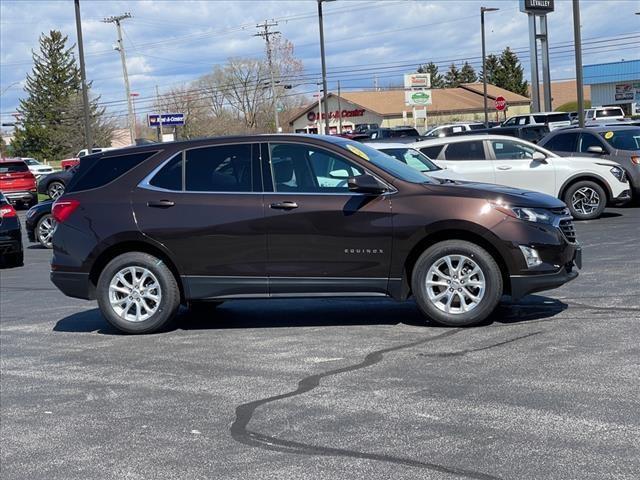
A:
x: 568, y: 230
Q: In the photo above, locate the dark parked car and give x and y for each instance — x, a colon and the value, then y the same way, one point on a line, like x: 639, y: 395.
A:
x: 530, y: 133
x: 619, y: 143
x: 147, y: 228
x: 395, y: 133
x: 55, y: 183
x: 11, y: 254
x: 40, y: 224
x: 17, y: 183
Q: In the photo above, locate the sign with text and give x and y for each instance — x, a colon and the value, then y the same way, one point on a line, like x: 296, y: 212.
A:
x: 501, y: 103
x: 538, y: 7
x: 417, y: 80
x: 168, y: 119
x: 417, y: 97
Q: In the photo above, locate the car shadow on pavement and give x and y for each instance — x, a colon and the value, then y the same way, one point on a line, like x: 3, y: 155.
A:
x: 314, y: 313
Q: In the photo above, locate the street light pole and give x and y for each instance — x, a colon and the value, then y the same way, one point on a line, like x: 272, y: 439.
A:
x: 88, y: 141
x: 324, y: 68
x: 484, y: 63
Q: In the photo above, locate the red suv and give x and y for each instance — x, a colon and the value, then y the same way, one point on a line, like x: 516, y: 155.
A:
x: 17, y: 183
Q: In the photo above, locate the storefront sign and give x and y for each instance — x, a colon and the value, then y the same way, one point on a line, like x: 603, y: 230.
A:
x: 168, y: 119
x: 417, y: 97
x: 625, y: 91
x: 417, y: 80
x: 313, y: 116
x: 538, y: 7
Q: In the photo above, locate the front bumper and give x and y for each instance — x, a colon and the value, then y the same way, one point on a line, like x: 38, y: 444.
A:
x: 522, y: 285
x: 621, y: 199
x: 74, y: 284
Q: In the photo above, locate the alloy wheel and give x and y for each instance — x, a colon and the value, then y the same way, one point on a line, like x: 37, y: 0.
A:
x: 135, y: 294
x: 455, y: 284
x: 46, y: 227
x: 585, y: 200
x: 55, y: 190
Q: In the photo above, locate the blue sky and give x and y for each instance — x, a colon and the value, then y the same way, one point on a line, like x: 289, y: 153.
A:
x: 173, y: 42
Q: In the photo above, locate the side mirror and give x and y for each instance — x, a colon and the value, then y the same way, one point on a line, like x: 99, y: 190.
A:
x: 539, y: 157
x: 366, y: 184
x: 597, y: 149
x: 341, y: 174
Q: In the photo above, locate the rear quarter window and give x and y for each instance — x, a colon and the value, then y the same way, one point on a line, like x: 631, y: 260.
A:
x: 97, y: 172
x: 432, y: 152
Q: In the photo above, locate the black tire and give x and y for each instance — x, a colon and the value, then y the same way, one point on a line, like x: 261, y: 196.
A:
x: 493, y: 285
x: 54, y: 188
x: 40, y: 240
x: 583, y: 211
x: 169, y: 293
x: 13, y: 260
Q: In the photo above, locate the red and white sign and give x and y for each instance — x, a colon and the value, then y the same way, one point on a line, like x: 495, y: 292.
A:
x: 313, y: 116
x: 501, y: 103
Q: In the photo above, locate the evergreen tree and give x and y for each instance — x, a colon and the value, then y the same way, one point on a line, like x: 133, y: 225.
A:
x: 510, y: 75
x: 468, y: 74
x: 436, y: 79
x: 452, y: 77
x: 52, y: 119
x: 492, y: 64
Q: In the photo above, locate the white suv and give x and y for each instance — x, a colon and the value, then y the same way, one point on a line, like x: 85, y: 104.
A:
x: 552, y: 120
x: 451, y: 128
x: 586, y: 184
x: 603, y: 114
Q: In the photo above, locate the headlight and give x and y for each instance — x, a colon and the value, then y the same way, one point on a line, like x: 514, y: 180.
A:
x: 619, y: 174
x: 537, y: 215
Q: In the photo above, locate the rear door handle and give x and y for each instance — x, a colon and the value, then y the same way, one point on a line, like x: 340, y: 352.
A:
x: 284, y: 205
x: 161, y: 204
x: 504, y: 167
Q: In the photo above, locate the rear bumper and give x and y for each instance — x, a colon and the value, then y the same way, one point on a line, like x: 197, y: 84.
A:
x: 22, y: 196
x: 74, y: 284
x: 10, y: 246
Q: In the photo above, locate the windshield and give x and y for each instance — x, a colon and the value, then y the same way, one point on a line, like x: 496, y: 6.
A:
x: 386, y: 162
x: 413, y: 158
x: 31, y: 161
x: 13, y: 167
x: 553, y: 117
x: 609, y: 112
x: 623, y: 139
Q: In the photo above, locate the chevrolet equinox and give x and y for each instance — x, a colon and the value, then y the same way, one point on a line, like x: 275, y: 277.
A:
x: 145, y: 229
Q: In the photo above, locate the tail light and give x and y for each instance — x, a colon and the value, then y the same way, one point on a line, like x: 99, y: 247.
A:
x: 635, y: 160
x: 7, y: 211
x: 62, y: 209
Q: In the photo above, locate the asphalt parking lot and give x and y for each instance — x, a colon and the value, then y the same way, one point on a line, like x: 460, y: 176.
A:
x: 330, y: 389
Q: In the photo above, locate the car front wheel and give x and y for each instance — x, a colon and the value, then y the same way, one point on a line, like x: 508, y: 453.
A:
x: 137, y: 293
x: 586, y: 200
x: 456, y: 283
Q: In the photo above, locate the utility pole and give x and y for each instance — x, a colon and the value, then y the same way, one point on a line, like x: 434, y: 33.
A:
x: 320, y: 110
x: 484, y: 63
x: 324, y: 68
x: 577, y: 41
x: 120, y: 47
x: 88, y: 140
x: 266, y: 34
x: 160, y: 135
x: 339, y: 110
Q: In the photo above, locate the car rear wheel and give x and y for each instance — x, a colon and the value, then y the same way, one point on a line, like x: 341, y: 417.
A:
x: 44, y: 230
x: 137, y: 293
x: 456, y: 283
x: 55, y: 189
x: 586, y: 200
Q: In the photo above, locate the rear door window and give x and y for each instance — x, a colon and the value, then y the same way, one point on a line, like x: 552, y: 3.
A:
x: 563, y: 142
x: 220, y: 168
x: 473, y: 150
x: 97, y: 172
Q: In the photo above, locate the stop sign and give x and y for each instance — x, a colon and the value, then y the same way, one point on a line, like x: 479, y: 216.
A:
x: 501, y: 103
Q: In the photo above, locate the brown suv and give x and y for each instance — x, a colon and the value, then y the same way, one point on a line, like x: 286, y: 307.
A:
x: 145, y: 229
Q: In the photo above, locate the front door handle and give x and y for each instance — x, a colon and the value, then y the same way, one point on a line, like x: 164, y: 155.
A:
x: 504, y: 167
x: 161, y: 204
x: 284, y: 205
